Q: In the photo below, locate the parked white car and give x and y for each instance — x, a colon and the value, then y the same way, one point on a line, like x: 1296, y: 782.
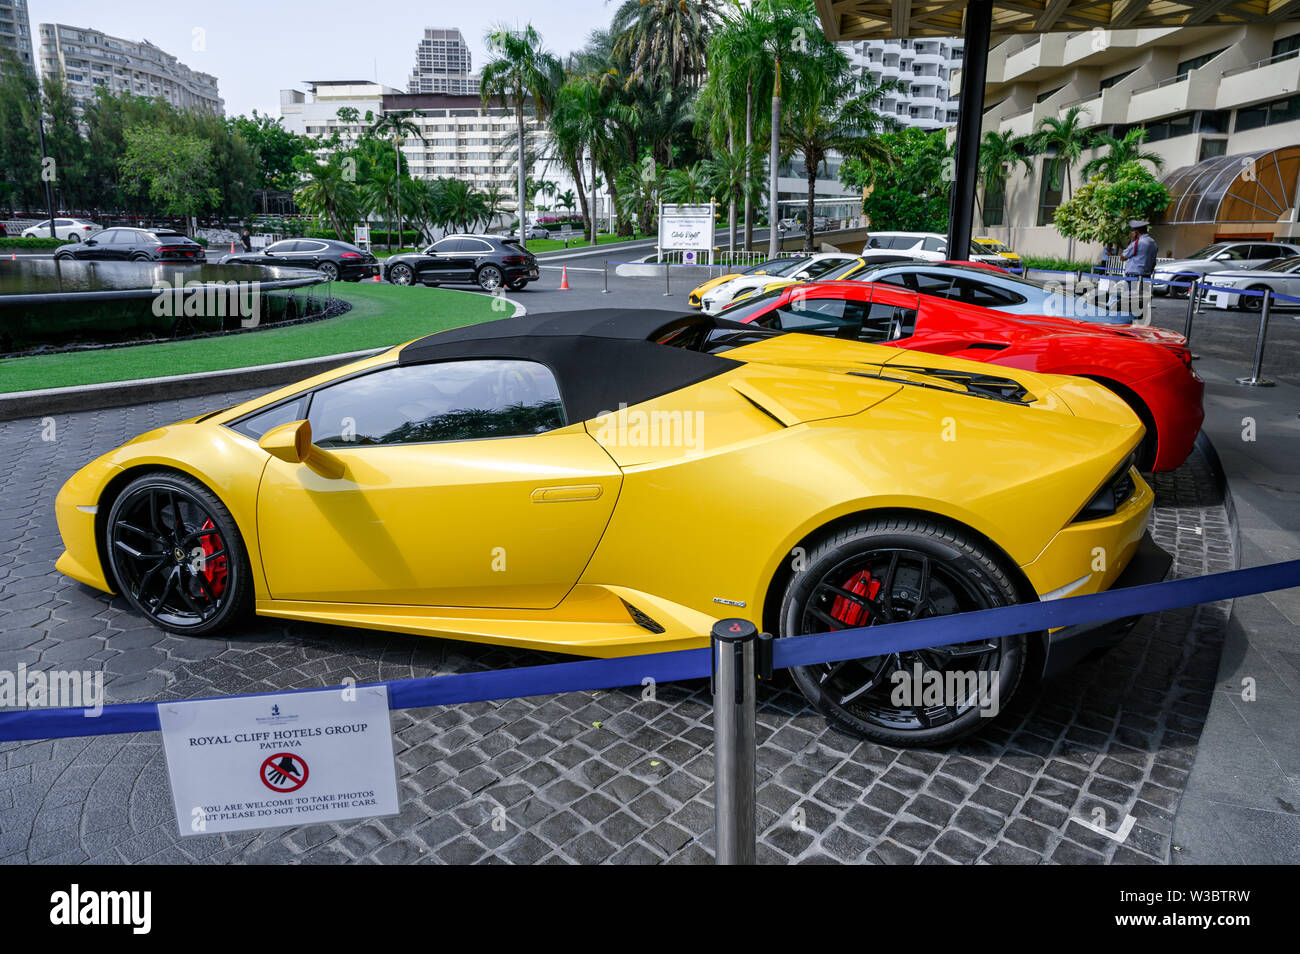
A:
x: 809, y: 269
x: 77, y: 230
x: 926, y: 246
x: 1281, y: 275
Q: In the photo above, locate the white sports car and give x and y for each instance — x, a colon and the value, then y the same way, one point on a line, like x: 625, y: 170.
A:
x: 810, y: 268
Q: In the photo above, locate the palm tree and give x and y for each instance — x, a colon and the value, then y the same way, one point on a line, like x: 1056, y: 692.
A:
x: 1118, y: 152
x: 493, y: 197
x: 520, y: 67
x: 736, y: 71
x: 1063, y: 138
x: 399, y: 126
x: 1000, y: 153
x: 665, y: 40
x: 789, y: 27
x: 737, y: 174
x: 568, y: 200
x: 688, y: 185
x: 580, y: 112
x: 831, y: 109
x: 329, y: 195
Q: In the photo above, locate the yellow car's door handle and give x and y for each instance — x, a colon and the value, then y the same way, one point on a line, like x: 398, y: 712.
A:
x: 566, y: 493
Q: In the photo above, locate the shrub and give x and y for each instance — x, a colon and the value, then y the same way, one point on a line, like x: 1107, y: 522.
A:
x: 14, y: 241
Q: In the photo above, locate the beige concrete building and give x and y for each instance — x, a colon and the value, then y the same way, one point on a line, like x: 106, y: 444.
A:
x: 1221, y: 106
x: 15, y: 30
x: 89, y: 59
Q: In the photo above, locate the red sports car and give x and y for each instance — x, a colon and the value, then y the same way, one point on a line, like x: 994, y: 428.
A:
x: 1150, y: 368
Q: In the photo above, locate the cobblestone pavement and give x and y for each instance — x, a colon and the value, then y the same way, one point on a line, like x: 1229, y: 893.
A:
x: 591, y: 776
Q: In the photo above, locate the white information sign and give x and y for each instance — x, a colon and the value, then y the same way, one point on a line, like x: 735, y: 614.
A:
x: 686, y: 227
x: 286, y: 759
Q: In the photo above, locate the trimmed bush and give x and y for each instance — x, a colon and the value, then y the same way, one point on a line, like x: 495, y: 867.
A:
x: 14, y: 241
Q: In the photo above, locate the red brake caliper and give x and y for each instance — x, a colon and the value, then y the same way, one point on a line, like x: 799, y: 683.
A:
x: 848, y: 612
x: 214, y: 571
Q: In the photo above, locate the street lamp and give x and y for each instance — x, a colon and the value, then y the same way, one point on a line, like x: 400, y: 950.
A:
x: 49, y: 195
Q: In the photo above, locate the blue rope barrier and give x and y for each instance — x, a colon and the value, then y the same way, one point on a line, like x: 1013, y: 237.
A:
x: 813, y: 649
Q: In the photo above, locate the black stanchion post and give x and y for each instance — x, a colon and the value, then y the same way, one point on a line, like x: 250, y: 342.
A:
x: 605, y: 290
x: 668, y: 288
x: 1191, y: 309
x: 733, y: 644
x: 1255, y: 381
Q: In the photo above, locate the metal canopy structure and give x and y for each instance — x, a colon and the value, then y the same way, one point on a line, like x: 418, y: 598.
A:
x: 978, y: 20
x: 887, y: 19
x: 1255, y: 187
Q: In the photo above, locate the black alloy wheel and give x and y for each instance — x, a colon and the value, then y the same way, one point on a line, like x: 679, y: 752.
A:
x: 329, y: 270
x: 490, y: 278
x: 177, y: 555
x: 401, y: 275
x: 892, y: 570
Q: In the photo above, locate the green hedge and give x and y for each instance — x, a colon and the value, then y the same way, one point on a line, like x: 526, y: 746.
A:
x: 14, y: 241
x: 1057, y: 264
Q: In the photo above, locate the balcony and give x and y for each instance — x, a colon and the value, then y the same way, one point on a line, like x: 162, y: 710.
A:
x: 1084, y: 44
x: 1047, y: 54
x: 929, y: 59
x: 1196, y: 90
x: 1019, y: 123
x: 1276, y: 76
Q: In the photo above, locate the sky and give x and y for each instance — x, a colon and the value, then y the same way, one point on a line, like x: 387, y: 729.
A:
x: 255, y: 49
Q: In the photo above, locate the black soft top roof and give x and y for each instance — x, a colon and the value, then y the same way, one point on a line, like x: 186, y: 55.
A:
x: 600, y: 358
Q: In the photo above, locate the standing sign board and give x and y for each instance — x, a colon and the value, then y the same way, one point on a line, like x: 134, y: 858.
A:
x: 686, y: 228
x: 361, y: 237
x: 266, y: 761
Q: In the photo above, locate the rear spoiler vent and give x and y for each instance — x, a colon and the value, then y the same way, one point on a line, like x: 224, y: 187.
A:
x: 987, y: 386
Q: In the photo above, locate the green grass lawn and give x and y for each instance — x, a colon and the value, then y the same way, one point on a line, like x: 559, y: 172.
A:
x: 551, y: 245
x: 381, y: 314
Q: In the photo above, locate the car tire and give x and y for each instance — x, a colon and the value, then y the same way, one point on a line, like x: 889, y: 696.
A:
x: 73, y: 236
x: 1252, y: 303
x: 329, y: 270
x: 209, y: 586
x: 401, y: 275
x: 918, y: 568
x: 140, y: 257
x: 490, y: 278
x: 518, y: 284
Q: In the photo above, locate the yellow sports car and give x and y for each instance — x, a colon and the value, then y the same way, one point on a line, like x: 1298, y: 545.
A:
x: 612, y: 482
x: 840, y: 271
x: 773, y: 266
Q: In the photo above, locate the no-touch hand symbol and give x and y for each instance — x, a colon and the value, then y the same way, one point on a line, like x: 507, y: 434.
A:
x: 284, y: 772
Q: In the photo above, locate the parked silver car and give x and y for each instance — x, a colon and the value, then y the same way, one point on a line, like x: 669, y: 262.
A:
x: 1282, y: 275
x: 1222, y: 256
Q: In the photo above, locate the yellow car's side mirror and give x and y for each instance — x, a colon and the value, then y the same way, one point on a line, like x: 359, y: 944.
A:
x: 292, y: 444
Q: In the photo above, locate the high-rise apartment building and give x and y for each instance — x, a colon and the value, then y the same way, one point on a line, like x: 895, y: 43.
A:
x: 442, y: 65
x: 15, y: 30
x: 923, y: 66
x: 90, y: 60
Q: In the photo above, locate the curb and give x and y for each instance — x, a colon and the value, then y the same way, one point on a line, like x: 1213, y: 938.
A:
x: 92, y: 397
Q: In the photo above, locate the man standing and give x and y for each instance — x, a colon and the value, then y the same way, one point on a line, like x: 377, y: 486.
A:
x: 1139, y: 263
x: 1140, y: 255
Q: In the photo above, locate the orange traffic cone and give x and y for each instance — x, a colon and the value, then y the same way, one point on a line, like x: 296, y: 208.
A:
x: 232, y: 247
x: 376, y: 278
x: 564, y: 278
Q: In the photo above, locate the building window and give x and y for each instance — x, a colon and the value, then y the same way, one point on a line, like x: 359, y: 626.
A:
x: 1110, y: 81
x: 1049, y: 189
x: 1196, y: 62
x: 1286, y: 47
x: 1051, y: 92
x: 1214, y: 121
x: 994, y: 201
x: 1211, y: 148
x: 1182, y: 124
x: 1268, y: 114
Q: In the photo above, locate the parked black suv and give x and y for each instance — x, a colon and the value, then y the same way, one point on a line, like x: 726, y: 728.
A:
x: 134, y: 245
x: 332, y: 258
x: 488, y: 261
